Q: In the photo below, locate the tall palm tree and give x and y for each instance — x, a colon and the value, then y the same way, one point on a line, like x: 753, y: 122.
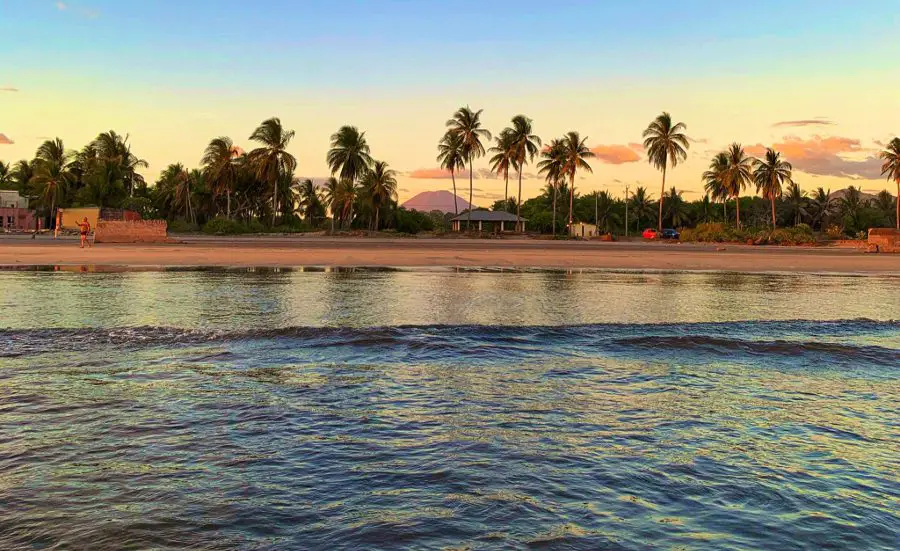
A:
x: 641, y: 205
x: 714, y: 181
x: 705, y: 210
x: 525, y: 146
x: 51, y: 175
x: 502, y: 161
x: 891, y: 169
x: 738, y: 175
x: 346, y: 195
x: 796, y: 201
x: 380, y: 184
x: 770, y: 175
x: 666, y: 146
x: 551, y: 165
x: 21, y: 174
x: 452, y: 157
x: 310, y: 200
x: 349, y: 156
x: 575, y: 155
x: 220, y: 168
x: 271, y: 160
x: 852, y: 204
x: 607, y: 217
x: 466, y: 123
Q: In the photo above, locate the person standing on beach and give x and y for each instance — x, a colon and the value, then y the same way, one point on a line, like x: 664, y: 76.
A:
x: 85, y: 230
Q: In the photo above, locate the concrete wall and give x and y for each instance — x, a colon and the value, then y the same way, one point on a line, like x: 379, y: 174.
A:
x: 139, y: 231
x: 887, y: 240
x: 71, y: 217
x: 16, y: 219
x: 12, y: 200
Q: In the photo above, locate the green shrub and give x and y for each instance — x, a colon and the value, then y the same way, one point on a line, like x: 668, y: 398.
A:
x: 181, y: 226
x: 834, y: 232
x: 224, y: 226
x: 412, y: 221
x: 715, y: 232
x: 255, y: 226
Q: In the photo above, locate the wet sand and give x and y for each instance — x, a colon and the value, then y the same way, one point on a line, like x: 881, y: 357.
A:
x: 354, y: 252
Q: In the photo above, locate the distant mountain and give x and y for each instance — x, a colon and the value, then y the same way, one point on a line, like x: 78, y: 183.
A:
x: 841, y: 193
x: 428, y: 201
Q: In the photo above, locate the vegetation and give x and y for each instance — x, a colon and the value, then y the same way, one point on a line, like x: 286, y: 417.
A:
x: 234, y: 192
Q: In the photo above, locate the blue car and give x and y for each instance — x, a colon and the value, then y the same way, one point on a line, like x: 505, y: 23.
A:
x: 669, y: 234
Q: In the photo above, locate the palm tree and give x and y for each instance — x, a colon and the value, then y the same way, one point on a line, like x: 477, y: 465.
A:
x: 676, y: 210
x: 5, y: 175
x: 738, y: 175
x: 525, y: 146
x: 115, y: 151
x: 310, y: 201
x: 330, y: 197
x: 175, y: 190
x: 884, y: 202
x: 852, y: 204
x: 705, y: 210
x: 607, y: 217
x: 220, y: 169
x: 551, y: 165
x: 891, y: 169
x: 666, y: 146
x: 21, y: 174
x: 346, y: 195
x: 51, y: 176
x: 575, y: 155
x: 272, y: 160
x: 821, y: 205
x: 714, y: 179
x: 452, y: 158
x: 467, y: 124
x: 770, y: 175
x: 796, y: 200
x: 641, y: 205
x: 380, y: 184
x: 349, y: 154
x: 502, y: 160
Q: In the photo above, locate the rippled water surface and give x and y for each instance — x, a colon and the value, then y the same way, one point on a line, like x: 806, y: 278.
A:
x: 448, y: 410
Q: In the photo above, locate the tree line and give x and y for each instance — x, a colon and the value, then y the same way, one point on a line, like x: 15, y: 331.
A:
x: 259, y: 189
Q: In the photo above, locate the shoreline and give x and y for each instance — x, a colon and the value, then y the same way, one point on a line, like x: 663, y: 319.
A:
x: 373, y: 253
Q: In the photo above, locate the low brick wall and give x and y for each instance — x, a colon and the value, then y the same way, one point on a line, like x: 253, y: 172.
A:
x: 138, y: 231
x: 885, y: 239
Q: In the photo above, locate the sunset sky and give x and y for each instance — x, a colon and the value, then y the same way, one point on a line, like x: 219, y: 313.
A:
x: 817, y: 80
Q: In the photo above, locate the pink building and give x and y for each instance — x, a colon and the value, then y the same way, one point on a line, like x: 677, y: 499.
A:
x: 16, y: 219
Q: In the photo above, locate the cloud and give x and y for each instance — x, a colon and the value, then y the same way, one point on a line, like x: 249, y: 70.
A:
x: 61, y: 6
x: 820, y: 121
x: 826, y: 156
x: 8, y: 89
x: 616, y: 154
x: 89, y: 13
x: 697, y: 140
x: 5, y: 141
x: 435, y: 174
x: 636, y: 146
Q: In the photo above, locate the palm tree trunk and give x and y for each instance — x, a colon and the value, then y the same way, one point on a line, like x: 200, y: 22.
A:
x: 228, y: 203
x: 662, y: 194
x: 571, y: 197
x: 898, y: 204
x: 725, y: 210
x: 772, y: 198
x: 737, y: 205
x: 519, y: 203
x: 376, y: 218
x: 471, y: 185
x: 506, y: 190
x: 455, y: 206
x: 274, y: 201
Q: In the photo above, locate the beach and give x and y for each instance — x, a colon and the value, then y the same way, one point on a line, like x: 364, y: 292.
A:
x: 398, y: 252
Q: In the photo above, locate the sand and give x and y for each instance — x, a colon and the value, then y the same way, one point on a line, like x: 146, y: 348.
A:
x: 350, y: 252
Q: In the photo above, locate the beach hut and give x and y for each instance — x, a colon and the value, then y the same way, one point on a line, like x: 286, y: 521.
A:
x: 488, y: 220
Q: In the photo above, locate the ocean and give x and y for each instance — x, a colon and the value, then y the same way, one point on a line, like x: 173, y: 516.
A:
x: 448, y: 409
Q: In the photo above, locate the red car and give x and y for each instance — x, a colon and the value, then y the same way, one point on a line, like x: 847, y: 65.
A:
x: 649, y: 233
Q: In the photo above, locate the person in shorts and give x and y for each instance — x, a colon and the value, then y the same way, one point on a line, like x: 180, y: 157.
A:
x: 85, y: 230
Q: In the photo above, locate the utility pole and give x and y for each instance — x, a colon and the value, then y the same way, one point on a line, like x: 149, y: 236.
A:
x: 626, y: 210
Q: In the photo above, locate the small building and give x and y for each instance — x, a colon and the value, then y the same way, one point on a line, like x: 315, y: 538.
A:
x: 488, y: 220
x: 16, y: 219
x: 580, y: 229
x: 10, y: 199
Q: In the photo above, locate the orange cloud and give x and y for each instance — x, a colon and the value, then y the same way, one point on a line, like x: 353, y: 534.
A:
x: 825, y: 156
x: 8, y: 89
x: 616, y: 154
x: 5, y: 141
x: 436, y: 174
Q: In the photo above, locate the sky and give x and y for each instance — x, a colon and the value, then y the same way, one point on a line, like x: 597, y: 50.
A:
x: 817, y: 80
